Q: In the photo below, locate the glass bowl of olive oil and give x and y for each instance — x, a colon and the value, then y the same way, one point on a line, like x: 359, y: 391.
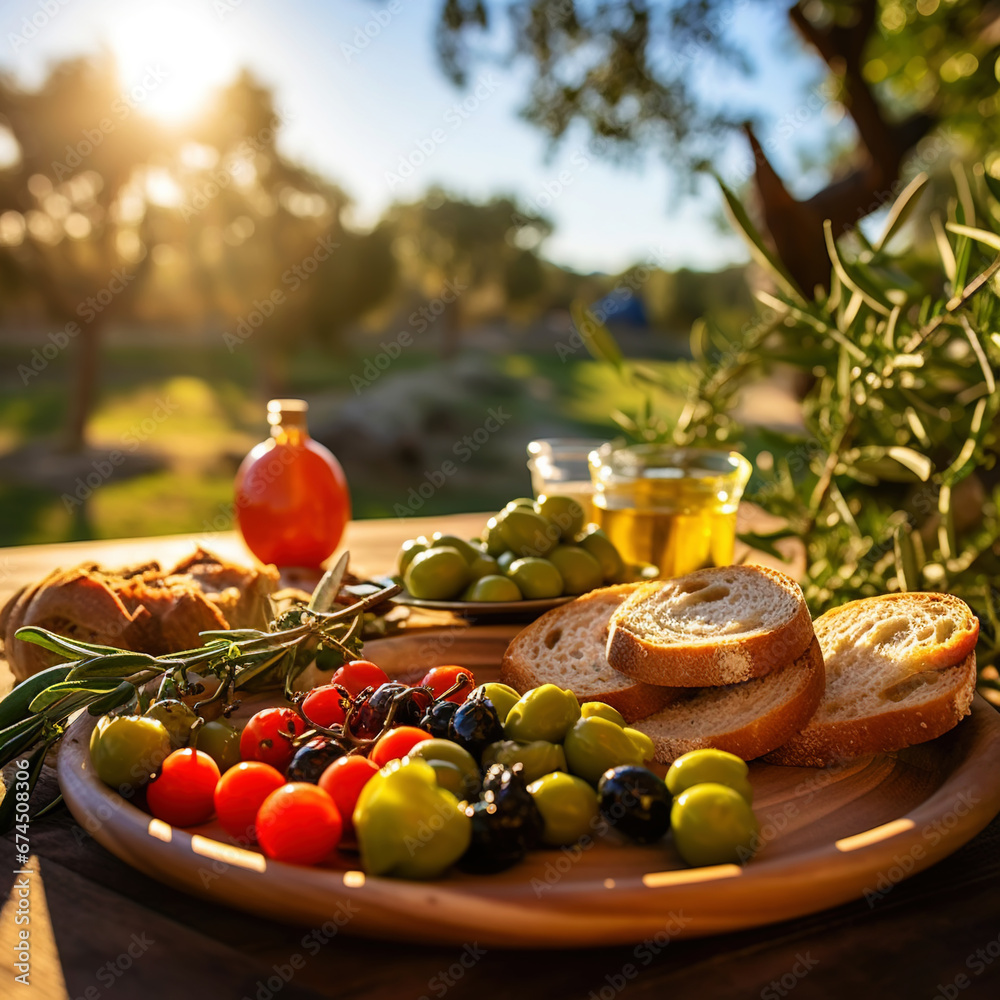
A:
x: 668, y: 507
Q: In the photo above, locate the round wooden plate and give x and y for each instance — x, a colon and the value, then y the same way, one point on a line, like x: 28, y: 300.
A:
x: 828, y: 836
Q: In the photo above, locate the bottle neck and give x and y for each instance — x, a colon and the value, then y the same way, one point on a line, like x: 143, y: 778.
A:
x: 287, y: 418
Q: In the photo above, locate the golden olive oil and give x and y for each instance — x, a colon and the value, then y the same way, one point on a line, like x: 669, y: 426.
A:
x: 678, y: 518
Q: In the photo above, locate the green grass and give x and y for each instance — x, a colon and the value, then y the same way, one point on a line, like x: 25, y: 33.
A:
x: 183, y: 417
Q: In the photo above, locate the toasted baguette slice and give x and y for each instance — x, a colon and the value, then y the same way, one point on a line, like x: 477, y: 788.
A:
x: 566, y: 647
x: 748, y: 719
x: 900, y: 670
x: 714, y: 626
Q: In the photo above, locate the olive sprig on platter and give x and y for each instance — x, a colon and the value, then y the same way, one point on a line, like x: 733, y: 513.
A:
x: 102, y: 679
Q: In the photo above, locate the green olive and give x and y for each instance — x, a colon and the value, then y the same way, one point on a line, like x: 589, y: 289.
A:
x: 492, y: 538
x: 543, y: 713
x: 528, y: 533
x: 502, y: 697
x: 437, y: 574
x: 409, y: 549
x: 591, y: 709
x: 483, y: 565
x: 492, y: 588
x: 519, y: 502
x: 505, y: 559
x: 568, y: 807
x: 536, y: 578
x: 713, y: 825
x: 446, y: 750
x: 536, y: 758
x: 564, y: 512
x: 126, y: 751
x: 221, y: 742
x: 603, y: 550
x: 178, y: 718
x: 469, y: 551
x: 579, y: 570
x: 699, y: 766
x: 595, y: 745
x: 452, y: 777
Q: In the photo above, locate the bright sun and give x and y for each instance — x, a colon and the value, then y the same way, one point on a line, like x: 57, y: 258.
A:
x: 171, y: 56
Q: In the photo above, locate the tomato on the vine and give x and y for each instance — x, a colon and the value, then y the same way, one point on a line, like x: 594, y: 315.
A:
x: 343, y: 781
x: 440, y: 679
x: 241, y: 792
x: 268, y: 736
x: 322, y: 706
x: 397, y: 743
x: 298, y: 823
x: 359, y: 674
x: 183, y: 793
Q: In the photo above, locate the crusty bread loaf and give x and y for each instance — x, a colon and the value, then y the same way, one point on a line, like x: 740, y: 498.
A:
x: 748, y: 719
x: 712, y: 627
x: 901, y: 669
x: 566, y: 646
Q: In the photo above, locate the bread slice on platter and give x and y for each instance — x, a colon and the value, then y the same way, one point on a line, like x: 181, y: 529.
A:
x: 748, y: 719
x: 713, y: 627
x: 900, y: 670
x: 566, y: 646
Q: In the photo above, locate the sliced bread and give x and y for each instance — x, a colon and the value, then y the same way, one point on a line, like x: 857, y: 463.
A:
x: 712, y: 627
x: 748, y: 719
x: 566, y: 646
x: 900, y: 670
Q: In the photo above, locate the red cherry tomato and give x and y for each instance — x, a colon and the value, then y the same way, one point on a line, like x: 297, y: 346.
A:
x: 359, y: 674
x: 298, y: 823
x: 267, y: 736
x: 322, y: 706
x: 240, y: 793
x: 441, y: 678
x: 397, y: 743
x: 343, y: 781
x: 183, y: 792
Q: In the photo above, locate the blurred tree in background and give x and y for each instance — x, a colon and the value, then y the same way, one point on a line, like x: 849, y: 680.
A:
x: 105, y: 216
x: 625, y: 69
x: 476, y: 259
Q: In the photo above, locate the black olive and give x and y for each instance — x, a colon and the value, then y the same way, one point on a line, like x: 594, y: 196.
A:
x: 475, y: 725
x: 312, y: 759
x: 636, y: 802
x: 436, y: 719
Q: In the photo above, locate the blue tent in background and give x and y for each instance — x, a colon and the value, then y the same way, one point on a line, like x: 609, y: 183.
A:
x: 618, y: 308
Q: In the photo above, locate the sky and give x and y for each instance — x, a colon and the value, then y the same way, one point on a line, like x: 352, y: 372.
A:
x: 366, y: 104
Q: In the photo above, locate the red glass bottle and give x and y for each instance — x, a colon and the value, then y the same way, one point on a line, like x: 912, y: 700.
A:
x: 292, y: 502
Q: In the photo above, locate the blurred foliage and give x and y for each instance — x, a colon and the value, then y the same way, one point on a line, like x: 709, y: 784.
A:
x: 625, y: 68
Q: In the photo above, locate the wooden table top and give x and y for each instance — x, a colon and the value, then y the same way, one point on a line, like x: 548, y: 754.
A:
x: 100, y: 929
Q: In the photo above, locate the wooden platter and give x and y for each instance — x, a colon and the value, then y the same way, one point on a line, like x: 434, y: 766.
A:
x: 829, y: 836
